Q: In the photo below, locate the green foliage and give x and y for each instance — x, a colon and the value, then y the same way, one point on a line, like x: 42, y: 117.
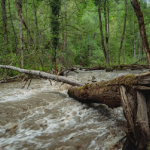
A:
x: 77, y: 24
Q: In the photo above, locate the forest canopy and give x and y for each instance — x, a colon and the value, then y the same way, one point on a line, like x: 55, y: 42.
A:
x: 54, y: 34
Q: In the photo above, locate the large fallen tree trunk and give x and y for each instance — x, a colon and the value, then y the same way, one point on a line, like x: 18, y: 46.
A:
x: 44, y: 75
x: 108, y: 92
x: 132, y: 93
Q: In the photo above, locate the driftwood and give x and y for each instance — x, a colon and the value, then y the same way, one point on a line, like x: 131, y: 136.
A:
x: 9, y: 79
x: 66, y: 71
x: 44, y: 75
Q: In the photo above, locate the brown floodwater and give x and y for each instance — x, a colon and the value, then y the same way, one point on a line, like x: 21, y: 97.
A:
x: 44, y: 117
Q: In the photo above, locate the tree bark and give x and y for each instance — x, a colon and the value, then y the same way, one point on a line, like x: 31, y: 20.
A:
x: 140, y: 17
x: 132, y: 93
x: 19, y: 8
x: 4, y: 17
x: 101, y: 32
x: 15, y: 35
x: 122, y: 38
x: 106, y: 36
x: 65, y: 34
x: 45, y: 75
x: 80, y: 52
x: 136, y: 114
x: 97, y: 93
x: 36, y: 32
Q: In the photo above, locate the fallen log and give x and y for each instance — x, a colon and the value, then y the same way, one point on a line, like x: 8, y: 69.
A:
x: 9, y: 79
x: 44, y: 75
x: 132, y: 93
x: 106, y: 92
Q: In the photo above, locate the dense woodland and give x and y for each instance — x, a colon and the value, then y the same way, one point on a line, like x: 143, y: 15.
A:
x: 55, y: 34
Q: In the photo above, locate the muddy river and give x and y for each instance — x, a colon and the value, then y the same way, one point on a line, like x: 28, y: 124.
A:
x: 44, y: 117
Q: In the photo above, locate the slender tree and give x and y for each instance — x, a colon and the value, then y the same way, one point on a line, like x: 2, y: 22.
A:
x: 122, y: 38
x: 19, y: 8
x: 106, y: 35
x: 12, y: 24
x: 4, y: 17
x: 101, y: 31
x: 55, y: 10
x: 65, y: 31
x: 140, y: 17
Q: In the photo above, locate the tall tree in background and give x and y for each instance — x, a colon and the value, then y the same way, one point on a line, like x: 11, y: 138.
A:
x: 55, y: 10
x: 105, y: 50
x: 107, y: 31
x: 85, y: 39
x: 140, y: 17
x: 12, y: 24
x: 36, y: 31
x: 122, y: 38
x: 64, y: 49
x: 101, y: 31
x: 4, y: 18
x: 19, y: 8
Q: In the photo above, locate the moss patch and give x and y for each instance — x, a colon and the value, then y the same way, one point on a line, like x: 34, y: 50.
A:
x: 127, y: 80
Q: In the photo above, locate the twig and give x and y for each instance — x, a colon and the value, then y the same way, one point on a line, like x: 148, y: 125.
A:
x: 29, y: 83
x: 50, y: 82
x: 122, y: 139
x: 24, y: 84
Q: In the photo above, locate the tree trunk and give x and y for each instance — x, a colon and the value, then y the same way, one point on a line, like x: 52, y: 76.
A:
x: 101, y: 32
x: 134, y: 41
x: 140, y: 17
x: 122, y: 38
x: 136, y: 114
x: 132, y: 93
x: 27, y: 22
x: 87, y: 53
x: 106, y: 36
x: 97, y: 93
x: 19, y: 4
x: 44, y: 75
x: 15, y: 35
x: 65, y: 34
x: 4, y: 17
x: 55, y: 9
x: 139, y: 47
x: 80, y: 52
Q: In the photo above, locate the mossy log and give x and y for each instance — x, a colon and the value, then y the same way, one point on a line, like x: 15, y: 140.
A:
x: 106, y: 92
x: 132, y: 93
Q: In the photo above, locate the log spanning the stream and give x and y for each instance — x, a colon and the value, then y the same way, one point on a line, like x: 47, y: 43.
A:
x: 108, y: 92
x: 132, y: 92
x: 44, y: 75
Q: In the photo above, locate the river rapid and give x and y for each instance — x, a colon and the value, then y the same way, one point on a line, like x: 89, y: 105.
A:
x: 44, y: 117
